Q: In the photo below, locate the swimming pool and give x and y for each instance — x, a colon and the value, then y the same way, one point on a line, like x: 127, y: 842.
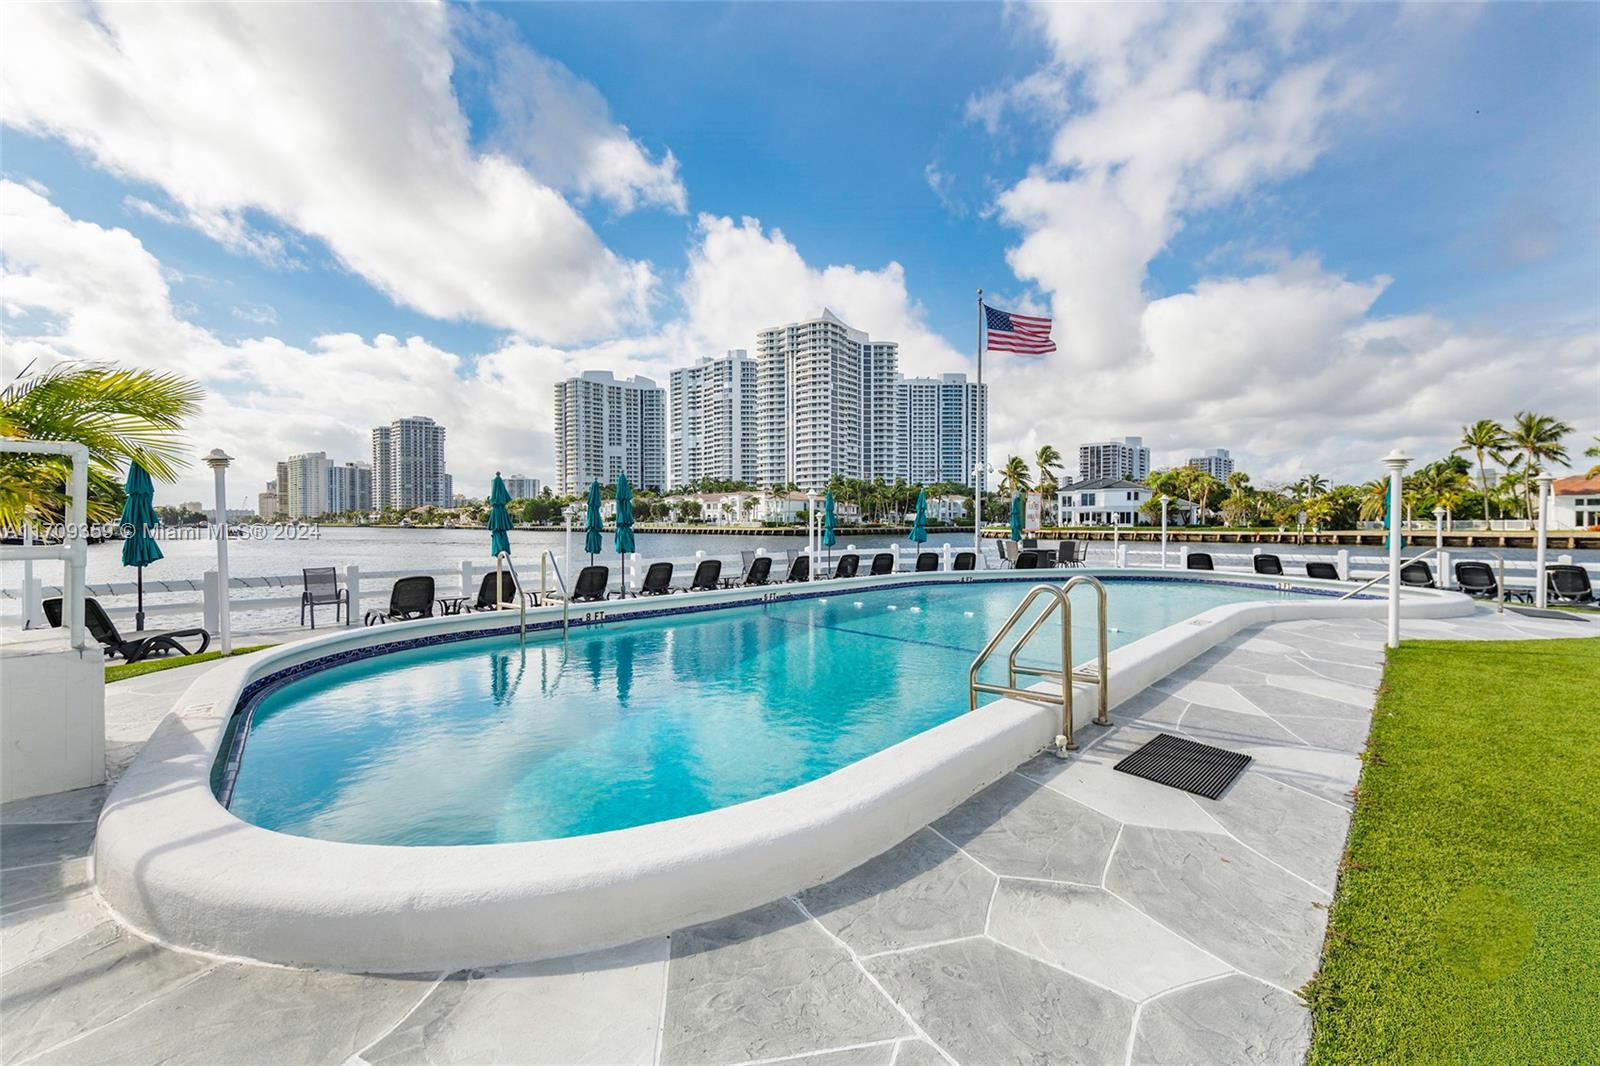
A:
x: 485, y: 741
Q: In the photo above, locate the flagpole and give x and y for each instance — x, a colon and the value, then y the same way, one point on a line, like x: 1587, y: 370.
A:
x: 977, y: 460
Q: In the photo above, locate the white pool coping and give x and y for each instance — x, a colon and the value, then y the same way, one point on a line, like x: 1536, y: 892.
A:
x: 179, y: 868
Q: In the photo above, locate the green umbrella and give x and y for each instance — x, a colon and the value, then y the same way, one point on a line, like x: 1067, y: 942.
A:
x: 499, y: 518
x: 1016, y: 517
x: 592, y: 525
x: 139, y: 549
x: 828, y: 539
x: 624, y: 534
x: 919, y: 525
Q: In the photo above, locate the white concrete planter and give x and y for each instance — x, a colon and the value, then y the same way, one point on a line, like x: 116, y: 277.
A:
x: 177, y: 866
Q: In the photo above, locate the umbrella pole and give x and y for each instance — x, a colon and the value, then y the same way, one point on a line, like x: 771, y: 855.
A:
x: 622, y: 571
x: 138, y: 615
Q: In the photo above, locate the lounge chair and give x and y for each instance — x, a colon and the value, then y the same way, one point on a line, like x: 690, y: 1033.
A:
x: 1009, y: 549
x: 1268, y: 564
x: 1417, y: 574
x: 657, y: 580
x: 1073, y: 553
x: 322, y: 589
x: 1323, y: 571
x: 142, y: 646
x: 882, y: 563
x: 1568, y: 584
x: 1478, y: 579
x: 759, y: 572
x: 799, y: 569
x: 707, y: 573
x: 965, y: 561
x: 411, y: 597
x: 1027, y: 559
x: 927, y: 562
x: 489, y: 597
x: 1199, y: 561
x: 591, y: 584
x: 849, y: 563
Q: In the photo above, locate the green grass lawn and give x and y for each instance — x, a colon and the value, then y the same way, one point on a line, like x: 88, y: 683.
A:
x: 1467, y: 922
x: 123, y: 671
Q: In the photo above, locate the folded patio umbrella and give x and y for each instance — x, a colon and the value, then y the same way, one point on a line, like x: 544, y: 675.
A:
x: 919, y: 525
x: 624, y: 535
x: 139, y: 549
x: 1016, y: 517
x: 592, y: 525
x: 828, y: 539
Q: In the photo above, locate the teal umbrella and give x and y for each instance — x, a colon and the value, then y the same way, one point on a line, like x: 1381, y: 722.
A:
x: 1388, y: 522
x: 828, y: 539
x: 499, y: 518
x: 624, y: 535
x: 139, y: 549
x: 592, y: 525
x: 919, y: 525
x: 1016, y: 516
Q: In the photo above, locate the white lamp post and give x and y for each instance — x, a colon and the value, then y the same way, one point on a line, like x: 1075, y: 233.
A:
x: 1438, y: 530
x: 1541, y: 594
x: 1396, y: 461
x: 1163, y: 531
x: 218, y: 461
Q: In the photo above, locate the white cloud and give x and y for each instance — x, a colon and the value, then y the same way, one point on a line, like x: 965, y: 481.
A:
x: 76, y: 290
x: 1157, y: 113
x: 561, y: 128
x: 742, y: 279
x: 339, y: 121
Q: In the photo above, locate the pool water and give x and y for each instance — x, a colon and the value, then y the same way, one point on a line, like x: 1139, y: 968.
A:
x: 485, y: 741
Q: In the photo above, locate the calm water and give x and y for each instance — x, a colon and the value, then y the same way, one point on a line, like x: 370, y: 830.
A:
x: 435, y: 549
x: 487, y: 742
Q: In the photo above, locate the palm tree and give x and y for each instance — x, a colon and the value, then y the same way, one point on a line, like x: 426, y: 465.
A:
x: 1315, y: 484
x: 1593, y: 452
x: 1538, y: 439
x: 1485, y: 437
x: 1014, y: 475
x: 1374, y: 499
x: 1047, y: 459
x: 119, y: 415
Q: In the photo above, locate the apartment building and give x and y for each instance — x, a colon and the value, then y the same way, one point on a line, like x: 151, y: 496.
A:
x: 605, y: 426
x: 713, y: 421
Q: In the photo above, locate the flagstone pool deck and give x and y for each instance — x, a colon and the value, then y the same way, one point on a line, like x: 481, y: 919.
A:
x: 1065, y: 914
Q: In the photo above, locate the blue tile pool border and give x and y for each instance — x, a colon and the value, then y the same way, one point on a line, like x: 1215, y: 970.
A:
x: 225, y: 771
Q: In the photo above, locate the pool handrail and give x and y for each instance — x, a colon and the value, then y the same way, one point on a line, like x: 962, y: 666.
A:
x: 1067, y: 675
x: 561, y: 583
x: 1365, y: 585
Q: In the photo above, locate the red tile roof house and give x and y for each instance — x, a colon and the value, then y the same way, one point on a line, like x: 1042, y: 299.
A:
x: 1575, y: 503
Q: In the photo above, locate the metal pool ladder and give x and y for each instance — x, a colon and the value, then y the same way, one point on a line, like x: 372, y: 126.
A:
x: 561, y: 584
x: 1059, y: 600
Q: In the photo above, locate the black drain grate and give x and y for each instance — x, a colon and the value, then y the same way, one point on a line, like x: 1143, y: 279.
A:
x: 1197, y: 768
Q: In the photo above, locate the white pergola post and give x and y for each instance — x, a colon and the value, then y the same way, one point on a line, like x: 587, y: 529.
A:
x: 1396, y: 461
x: 218, y: 461
x: 1438, y: 546
x: 1541, y: 594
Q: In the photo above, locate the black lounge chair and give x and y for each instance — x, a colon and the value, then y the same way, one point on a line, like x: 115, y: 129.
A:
x: 1478, y: 579
x: 1568, y: 584
x: 1323, y: 571
x: 411, y: 597
x: 800, y: 569
x: 1027, y: 559
x: 927, y: 562
x: 760, y: 572
x: 487, y: 599
x: 1073, y: 553
x: 1417, y: 574
x: 1199, y: 561
x: 707, y: 573
x: 142, y: 646
x: 1268, y: 564
x: 591, y: 584
x: 882, y: 563
x: 849, y: 563
x: 321, y: 589
x: 657, y: 580
x: 965, y: 561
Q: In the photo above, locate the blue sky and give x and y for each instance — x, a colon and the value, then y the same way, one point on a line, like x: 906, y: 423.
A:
x: 1346, y: 200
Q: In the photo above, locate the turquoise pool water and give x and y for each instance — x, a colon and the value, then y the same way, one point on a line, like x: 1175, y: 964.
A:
x: 484, y: 741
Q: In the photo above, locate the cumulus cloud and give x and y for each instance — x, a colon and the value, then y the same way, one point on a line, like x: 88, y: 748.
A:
x: 77, y: 290
x: 743, y: 279
x: 339, y: 121
x: 1158, y: 113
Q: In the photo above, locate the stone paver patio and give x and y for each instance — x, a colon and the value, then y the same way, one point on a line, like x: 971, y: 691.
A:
x: 1065, y: 914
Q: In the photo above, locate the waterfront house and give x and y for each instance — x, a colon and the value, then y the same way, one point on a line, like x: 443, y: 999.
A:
x: 1114, y: 500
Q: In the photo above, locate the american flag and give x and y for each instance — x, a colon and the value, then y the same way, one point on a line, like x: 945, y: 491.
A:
x: 1023, y: 334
